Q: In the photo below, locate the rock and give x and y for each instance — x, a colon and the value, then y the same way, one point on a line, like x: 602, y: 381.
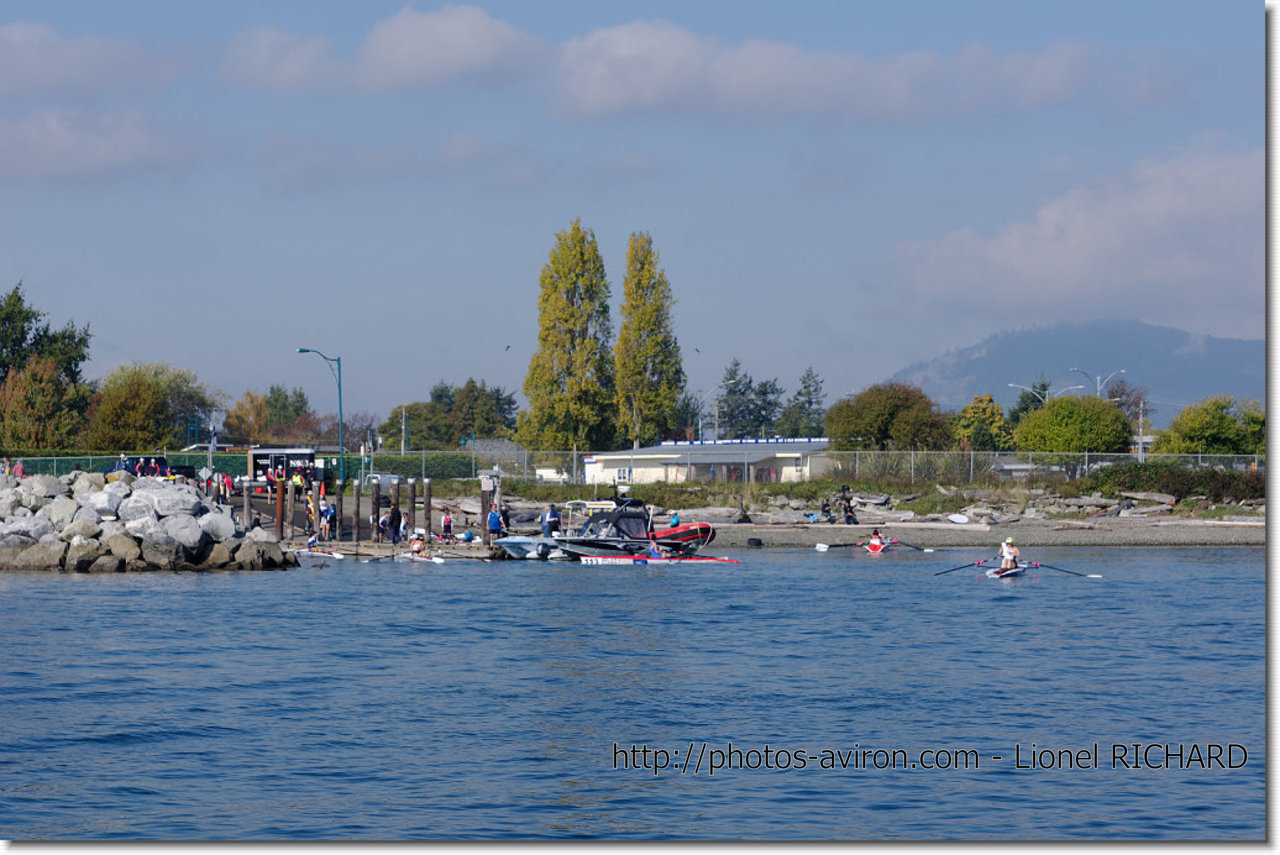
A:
x: 219, y: 556
x: 45, y: 486
x: 80, y: 528
x: 163, y: 553
x: 45, y: 555
x: 1158, y: 498
x: 82, y: 553
x: 185, y: 530
x: 60, y: 511
x: 218, y: 525
x: 107, y: 564
x: 136, y: 507
x: 123, y: 545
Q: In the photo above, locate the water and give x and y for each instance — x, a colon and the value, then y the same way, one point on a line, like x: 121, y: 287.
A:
x: 491, y: 700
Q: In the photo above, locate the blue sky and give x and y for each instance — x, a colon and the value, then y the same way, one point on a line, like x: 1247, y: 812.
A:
x: 852, y: 186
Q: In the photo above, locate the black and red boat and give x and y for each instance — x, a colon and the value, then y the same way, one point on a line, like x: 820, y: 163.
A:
x: 627, y: 529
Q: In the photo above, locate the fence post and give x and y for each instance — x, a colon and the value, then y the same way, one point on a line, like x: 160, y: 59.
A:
x: 426, y: 507
x: 337, y: 513
x: 355, y: 514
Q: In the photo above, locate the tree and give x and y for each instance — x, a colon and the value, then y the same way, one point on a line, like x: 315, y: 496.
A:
x: 248, y: 420
x: 130, y: 412
x: 1216, y: 425
x: 189, y: 401
x: 802, y: 416
x: 1132, y: 400
x: 285, y: 408
x: 23, y: 335
x: 887, y: 416
x: 1071, y: 424
x: 647, y: 369
x: 570, y: 381
x: 980, y: 426
x: 734, y: 407
x: 39, y: 409
x: 1029, y: 401
x: 689, y: 415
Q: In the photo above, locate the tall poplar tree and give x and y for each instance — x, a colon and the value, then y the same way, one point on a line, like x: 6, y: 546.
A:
x: 646, y: 360
x: 570, y: 381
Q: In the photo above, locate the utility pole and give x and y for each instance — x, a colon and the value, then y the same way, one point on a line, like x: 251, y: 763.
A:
x: 1142, y: 439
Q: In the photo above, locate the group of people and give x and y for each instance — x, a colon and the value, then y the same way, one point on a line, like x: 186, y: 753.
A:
x: 17, y: 470
x: 850, y: 518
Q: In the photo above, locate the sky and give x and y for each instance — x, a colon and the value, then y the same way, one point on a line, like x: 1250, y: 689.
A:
x: 848, y: 186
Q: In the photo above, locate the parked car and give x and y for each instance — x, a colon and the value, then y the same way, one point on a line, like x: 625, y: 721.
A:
x: 387, y: 485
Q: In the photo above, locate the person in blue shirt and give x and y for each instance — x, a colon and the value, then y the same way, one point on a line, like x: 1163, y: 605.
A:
x: 495, y: 522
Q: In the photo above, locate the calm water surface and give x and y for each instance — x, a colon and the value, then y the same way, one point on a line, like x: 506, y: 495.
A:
x: 503, y: 700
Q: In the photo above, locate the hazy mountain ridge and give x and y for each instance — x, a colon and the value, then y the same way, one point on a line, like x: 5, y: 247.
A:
x: 1176, y: 367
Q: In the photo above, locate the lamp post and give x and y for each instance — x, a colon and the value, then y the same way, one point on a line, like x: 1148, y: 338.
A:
x: 1044, y: 399
x: 342, y: 451
x: 1100, y: 384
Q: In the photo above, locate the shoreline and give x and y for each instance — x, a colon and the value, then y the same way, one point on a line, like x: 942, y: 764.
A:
x: 1113, y: 532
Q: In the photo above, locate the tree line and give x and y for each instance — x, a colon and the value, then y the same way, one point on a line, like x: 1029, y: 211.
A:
x: 586, y: 390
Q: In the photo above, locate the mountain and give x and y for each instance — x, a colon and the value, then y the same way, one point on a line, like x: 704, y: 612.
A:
x: 1175, y: 367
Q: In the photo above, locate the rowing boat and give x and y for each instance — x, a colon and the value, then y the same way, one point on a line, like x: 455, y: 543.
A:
x: 645, y: 560
x: 997, y: 573
x: 318, y: 554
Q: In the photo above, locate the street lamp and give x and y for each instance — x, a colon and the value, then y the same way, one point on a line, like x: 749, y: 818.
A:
x: 1044, y: 399
x: 342, y: 451
x: 1100, y: 384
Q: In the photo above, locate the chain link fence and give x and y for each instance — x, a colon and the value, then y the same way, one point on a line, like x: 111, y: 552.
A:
x: 566, y: 467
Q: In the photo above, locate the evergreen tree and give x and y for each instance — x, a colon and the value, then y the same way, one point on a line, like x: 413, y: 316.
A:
x: 23, y: 335
x: 38, y: 409
x: 1028, y: 401
x: 802, y: 416
x: 735, y: 407
x: 646, y: 360
x: 570, y: 381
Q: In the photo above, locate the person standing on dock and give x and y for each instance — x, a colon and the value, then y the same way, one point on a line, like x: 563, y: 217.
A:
x: 495, y: 523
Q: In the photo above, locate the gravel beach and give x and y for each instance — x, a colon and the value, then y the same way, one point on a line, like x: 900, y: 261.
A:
x: 1109, y: 532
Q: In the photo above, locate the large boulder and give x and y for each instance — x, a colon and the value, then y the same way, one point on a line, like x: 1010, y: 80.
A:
x: 80, y: 528
x: 46, y: 486
x: 137, y: 506
x: 184, y: 529
x: 10, y: 501
x: 123, y: 545
x: 60, y: 511
x: 108, y: 563
x: 33, y: 526
x: 218, y: 525
x: 45, y: 555
x: 82, y: 553
x: 162, y: 553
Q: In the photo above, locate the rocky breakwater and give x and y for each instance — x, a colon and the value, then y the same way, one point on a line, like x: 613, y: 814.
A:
x: 91, y: 523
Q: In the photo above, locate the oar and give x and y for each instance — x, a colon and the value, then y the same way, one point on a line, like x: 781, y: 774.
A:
x: 962, y: 566
x: 823, y: 547
x: 1065, y: 570
x: 911, y: 545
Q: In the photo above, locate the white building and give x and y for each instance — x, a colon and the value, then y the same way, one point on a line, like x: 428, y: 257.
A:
x: 761, y: 460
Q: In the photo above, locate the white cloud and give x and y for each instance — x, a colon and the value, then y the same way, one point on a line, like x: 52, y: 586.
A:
x: 1177, y: 241
x: 656, y: 65
x: 35, y: 58
x: 73, y: 143
x: 423, y: 48
x: 271, y: 59
x: 406, y: 50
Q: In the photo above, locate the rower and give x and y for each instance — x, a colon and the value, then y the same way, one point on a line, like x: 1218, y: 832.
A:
x: 1009, y: 555
x: 877, y: 539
